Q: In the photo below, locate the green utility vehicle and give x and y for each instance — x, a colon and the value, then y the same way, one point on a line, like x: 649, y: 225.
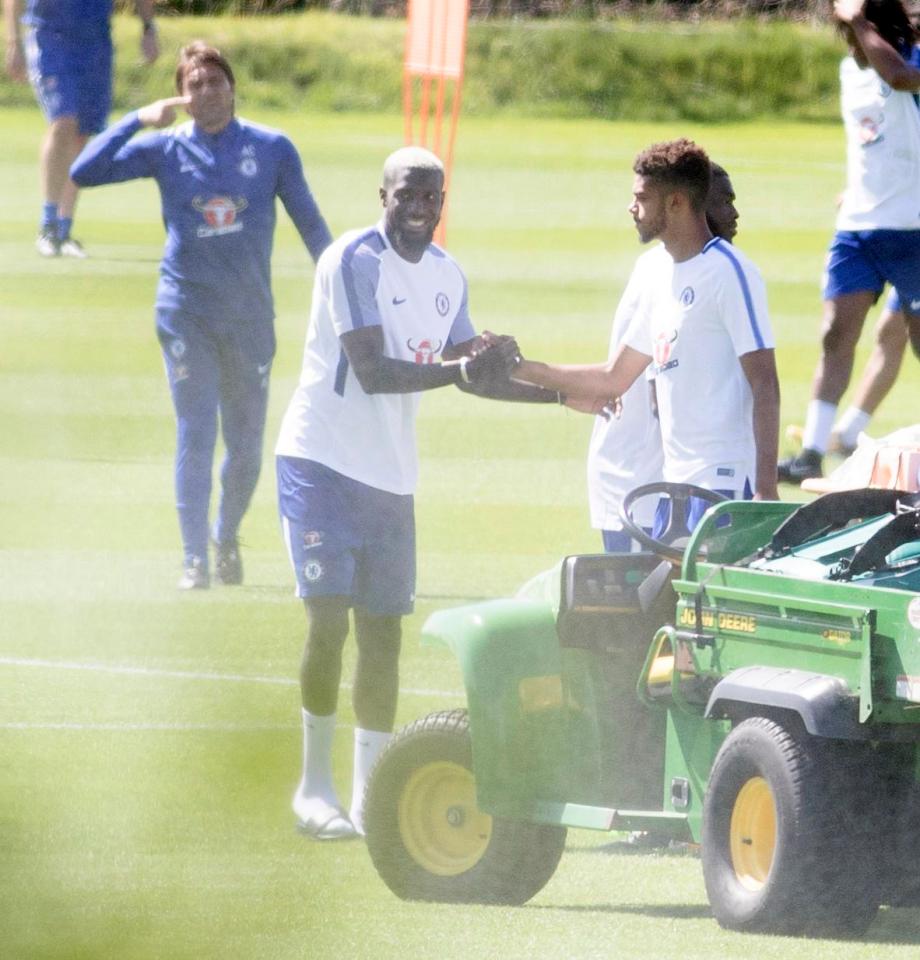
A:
x: 756, y: 692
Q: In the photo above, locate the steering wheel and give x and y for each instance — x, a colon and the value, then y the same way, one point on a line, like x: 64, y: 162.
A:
x: 673, y: 540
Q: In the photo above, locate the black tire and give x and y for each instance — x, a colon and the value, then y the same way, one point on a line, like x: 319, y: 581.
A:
x: 904, y: 884
x: 427, y: 838
x: 895, y: 822
x: 779, y: 852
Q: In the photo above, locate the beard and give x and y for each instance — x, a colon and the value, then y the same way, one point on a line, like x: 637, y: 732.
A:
x: 651, y: 229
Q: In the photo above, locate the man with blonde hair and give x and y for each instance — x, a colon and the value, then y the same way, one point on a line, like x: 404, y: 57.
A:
x: 390, y: 319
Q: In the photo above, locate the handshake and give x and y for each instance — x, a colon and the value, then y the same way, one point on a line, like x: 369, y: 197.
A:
x: 492, y: 360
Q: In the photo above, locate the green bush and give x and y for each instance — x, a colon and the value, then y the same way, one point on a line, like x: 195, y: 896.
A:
x: 583, y: 9
x: 617, y: 69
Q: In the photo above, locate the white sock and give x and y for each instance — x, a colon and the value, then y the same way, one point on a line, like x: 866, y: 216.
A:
x: 316, y: 780
x: 818, y: 422
x: 368, y: 746
x: 851, y: 425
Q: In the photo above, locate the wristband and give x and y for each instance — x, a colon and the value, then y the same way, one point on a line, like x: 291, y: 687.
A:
x: 464, y: 376
x: 148, y: 26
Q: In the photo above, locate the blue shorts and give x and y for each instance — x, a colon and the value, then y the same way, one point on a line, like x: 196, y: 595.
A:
x: 71, y: 76
x: 347, y: 539
x: 866, y: 260
x: 695, y: 508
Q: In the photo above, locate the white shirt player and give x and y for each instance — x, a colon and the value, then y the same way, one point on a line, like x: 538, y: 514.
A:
x: 422, y: 307
x: 626, y: 453
x: 696, y: 318
x: 882, y: 128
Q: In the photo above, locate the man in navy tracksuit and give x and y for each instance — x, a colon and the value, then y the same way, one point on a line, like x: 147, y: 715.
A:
x: 218, y: 178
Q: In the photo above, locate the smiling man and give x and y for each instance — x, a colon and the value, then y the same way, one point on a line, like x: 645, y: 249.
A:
x: 218, y: 178
x: 387, y: 303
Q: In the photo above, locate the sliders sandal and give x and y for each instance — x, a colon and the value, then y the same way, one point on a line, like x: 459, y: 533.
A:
x: 328, y: 823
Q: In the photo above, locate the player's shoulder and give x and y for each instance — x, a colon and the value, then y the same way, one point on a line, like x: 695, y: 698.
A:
x: 649, y: 267
x: 146, y: 139
x: 731, y: 270
x: 729, y: 257
x: 276, y: 142
x: 440, y: 259
x: 362, y: 245
x: 259, y: 131
x: 655, y: 256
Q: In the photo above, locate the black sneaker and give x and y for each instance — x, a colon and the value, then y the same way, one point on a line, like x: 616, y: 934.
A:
x: 195, y: 576
x: 228, y: 564
x: 805, y: 466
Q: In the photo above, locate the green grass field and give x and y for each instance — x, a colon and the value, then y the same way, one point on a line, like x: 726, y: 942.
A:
x: 149, y: 741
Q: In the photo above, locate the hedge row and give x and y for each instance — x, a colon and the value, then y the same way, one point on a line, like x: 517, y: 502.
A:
x: 621, y: 69
x: 667, y: 9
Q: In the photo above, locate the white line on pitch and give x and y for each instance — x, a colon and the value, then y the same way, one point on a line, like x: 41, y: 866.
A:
x: 181, y: 727
x: 190, y: 675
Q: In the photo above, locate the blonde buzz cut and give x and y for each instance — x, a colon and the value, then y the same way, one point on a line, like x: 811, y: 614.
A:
x: 410, y: 158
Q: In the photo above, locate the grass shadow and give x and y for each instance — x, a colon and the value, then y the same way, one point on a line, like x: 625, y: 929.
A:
x: 669, y: 911
x: 893, y: 926
x: 125, y: 259
x: 628, y: 848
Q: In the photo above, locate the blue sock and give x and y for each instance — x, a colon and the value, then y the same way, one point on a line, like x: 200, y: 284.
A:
x: 63, y: 228
x: 49, y: 221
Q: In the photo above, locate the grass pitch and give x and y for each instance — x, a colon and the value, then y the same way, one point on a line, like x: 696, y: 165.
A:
x: 149, y: 741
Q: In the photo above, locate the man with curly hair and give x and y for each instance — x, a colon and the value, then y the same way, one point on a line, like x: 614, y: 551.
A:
x: 701, y: 323
x: 625, y: 451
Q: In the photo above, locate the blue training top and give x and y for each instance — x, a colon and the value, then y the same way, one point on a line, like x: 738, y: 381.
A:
x: 218, y: 200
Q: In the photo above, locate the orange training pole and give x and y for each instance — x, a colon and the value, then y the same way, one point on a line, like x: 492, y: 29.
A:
x: 435, y: 50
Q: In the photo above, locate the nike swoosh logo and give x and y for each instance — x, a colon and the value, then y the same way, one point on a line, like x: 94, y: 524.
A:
x: 264, y: 367
x: 397, y: 301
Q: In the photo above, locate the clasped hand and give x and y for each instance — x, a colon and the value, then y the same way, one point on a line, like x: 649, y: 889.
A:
x: 493, y: 358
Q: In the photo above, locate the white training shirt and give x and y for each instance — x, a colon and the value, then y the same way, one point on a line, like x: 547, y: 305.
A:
x: 626, y: 453
x: 695, y: 319
x: 422, y: 307
x: 883, y: 153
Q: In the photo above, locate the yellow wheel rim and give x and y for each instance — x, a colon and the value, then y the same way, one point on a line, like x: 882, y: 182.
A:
x: 441, y: 827
x: 752, y: 833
